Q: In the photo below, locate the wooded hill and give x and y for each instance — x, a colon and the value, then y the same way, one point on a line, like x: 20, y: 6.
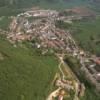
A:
x: 28, y: 2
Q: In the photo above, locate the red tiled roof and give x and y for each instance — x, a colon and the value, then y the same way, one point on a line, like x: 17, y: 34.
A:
x: 97, y: 61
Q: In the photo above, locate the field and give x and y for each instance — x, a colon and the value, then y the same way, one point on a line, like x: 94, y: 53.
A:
x: 4, y: 22
x: 24, y: 74
x: 61, y: 4
x: 87, y: 34
x: 9, y: 11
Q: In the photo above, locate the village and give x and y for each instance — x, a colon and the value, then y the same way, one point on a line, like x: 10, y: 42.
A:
x: 38, y: 27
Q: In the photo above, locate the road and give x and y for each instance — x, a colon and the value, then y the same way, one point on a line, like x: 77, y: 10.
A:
x: 68, y: 71
x: 54, y: 94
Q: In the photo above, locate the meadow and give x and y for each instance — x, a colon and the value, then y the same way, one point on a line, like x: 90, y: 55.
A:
x: 87, y: 34
x: 25, y: 74
x: 5, y: 22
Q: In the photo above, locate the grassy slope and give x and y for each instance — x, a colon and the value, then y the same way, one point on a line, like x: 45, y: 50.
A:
x: 86, y: 30
x: 24, y: 75
x: 62, y: 4
x: 9, y: 11
x: 4, y: 23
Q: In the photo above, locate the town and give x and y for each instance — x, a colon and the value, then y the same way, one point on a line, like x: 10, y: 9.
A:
x: 39, y: 27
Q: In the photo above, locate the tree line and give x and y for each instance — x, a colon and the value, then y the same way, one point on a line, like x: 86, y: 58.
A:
x: 22, y: 2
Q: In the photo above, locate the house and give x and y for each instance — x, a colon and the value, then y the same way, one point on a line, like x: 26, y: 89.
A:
x: 96, y: 60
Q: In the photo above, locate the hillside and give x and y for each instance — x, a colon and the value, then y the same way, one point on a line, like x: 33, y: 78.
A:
x: 54, y: 3
x: 17, y: 6
x: 25, y: 2
x: 87, y: 35
x: 24, y: 74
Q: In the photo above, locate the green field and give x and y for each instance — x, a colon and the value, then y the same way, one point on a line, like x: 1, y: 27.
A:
x: 5, y: 22
x: 9, y: 11
x: 87, y: 34
x: 61, y: 4
x: 24, y: 74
